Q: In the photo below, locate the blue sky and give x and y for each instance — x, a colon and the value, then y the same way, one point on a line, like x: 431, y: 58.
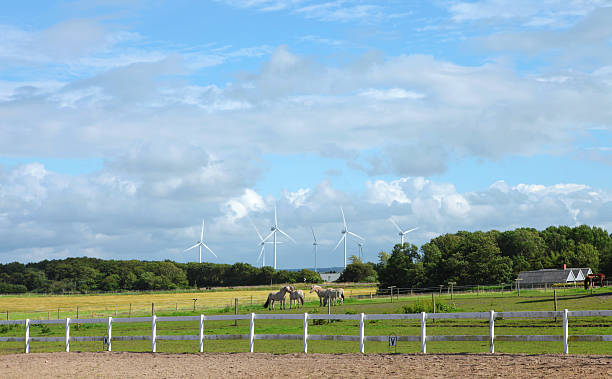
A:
x: 124, y: 123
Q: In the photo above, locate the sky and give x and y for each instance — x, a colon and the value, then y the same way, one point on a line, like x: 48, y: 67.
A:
x: 123, y: 124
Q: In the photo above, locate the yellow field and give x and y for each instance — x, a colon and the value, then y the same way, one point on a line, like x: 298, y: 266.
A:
x: 46, y: 306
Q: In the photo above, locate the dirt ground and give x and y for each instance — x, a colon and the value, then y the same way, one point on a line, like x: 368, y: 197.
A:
x: 245, y: 365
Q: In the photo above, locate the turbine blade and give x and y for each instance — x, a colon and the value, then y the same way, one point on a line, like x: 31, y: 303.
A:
x: 210, y: 250
x: 353, y: 234
x: 411, y: 230
x: 254, y: 227
x: 260, y: 253
x: 286, y: 235
x: 275, y: 218
x: 343, y: 219
x: 313, y: 235
x: 194, y: 246
x: 268, y: 236
x: 396, y: 226
x: 202, y: 234
x: 339, y: 242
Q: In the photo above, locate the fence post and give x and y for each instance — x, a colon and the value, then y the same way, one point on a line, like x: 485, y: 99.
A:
x: 565, y: 332
x: 252, y: 333
x: 201, y: 344
x: 492, y: 332
x: 362, y: 333
x: 109, y: 333
x: 555, y: 293
x: 154, y: 334
x: 423, y: 333
x: 27, y: 335
x: 67, y: 334
x: 305, y: 332
x: 236, y: 311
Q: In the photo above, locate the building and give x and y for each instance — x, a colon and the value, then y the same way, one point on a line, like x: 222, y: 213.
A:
x: 330, y: 276
x: 553, y: 276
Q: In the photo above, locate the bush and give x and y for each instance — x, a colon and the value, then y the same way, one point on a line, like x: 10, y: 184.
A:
x: 424, y: 306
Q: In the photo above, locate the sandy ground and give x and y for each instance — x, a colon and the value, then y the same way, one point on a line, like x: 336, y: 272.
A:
x: 218, y: 365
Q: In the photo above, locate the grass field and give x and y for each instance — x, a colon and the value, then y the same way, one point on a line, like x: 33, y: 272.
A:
x: 218, y: 302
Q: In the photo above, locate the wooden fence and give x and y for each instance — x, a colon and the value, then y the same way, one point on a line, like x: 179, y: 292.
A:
x: 423, y: 338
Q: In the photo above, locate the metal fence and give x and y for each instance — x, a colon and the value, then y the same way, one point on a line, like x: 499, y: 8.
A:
x: 423, y: 338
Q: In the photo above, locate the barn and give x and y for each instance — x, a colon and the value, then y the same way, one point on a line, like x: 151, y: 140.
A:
x: 553, y: 276
x: 546, y: 276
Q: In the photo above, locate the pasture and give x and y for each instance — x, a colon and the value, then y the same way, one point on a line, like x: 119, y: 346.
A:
x: 573, y: 299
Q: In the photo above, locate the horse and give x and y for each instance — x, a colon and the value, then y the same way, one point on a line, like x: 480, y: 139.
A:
x: 340, y: 295
x: 277, y: 296
x: 320, y: 292
x: 331, y: 295
x: 296, y: 296
x: 593, y: 279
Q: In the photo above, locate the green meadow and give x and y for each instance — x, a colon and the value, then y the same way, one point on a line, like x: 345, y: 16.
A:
x: 530, y: 300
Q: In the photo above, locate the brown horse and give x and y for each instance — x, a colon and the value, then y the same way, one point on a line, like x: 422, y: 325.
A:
x: 594, y: 279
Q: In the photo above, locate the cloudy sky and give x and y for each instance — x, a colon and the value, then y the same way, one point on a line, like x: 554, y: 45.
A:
x: 124, y: 123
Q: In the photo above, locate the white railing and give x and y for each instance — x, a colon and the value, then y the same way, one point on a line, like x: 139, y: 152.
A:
x: 305, y: 337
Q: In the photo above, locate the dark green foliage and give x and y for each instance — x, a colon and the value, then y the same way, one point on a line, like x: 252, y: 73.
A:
x: 90, y: 274
x: 358, y: 271
x: 493, y: 257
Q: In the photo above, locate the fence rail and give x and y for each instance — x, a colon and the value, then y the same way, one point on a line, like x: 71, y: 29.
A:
x: 305, y: 337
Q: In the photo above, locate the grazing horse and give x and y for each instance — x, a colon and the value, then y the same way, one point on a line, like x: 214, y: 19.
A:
x: 340, y: 295
x: 320, y: 292
x: 296, y: 296
x: 593, y: 279
x: 331, y: 295
x: 277, y: 296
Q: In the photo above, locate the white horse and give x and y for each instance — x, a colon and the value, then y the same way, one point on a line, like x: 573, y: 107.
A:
x: 328, y: 294
x: 296, y: 296
x: 340, y: 297
x: 320, y: 292
x: 277, y: 296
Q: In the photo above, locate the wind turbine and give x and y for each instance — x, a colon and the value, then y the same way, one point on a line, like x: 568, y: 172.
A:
x: 201, y: 243
x: 262, y: 243
x: 274, y: 228
x: 401, y: 233
x: 314, y: 244
x: 345, y: 232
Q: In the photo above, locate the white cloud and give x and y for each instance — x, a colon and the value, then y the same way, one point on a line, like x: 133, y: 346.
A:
x: 544, y: 12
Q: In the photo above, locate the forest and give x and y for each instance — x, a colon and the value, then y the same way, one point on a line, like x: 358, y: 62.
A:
x: 467, y: 258
x: 86, y: 275
x: 493, y: 257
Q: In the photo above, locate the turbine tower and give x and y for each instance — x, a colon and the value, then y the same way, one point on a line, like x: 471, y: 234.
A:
x: 401, y: 233
x: 345, y: 232
x: 314, y: 244
x: 360, y: 250
x: 274, y: 229
x: 201, y: 243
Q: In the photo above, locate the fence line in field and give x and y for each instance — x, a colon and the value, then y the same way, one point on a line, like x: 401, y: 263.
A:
x: 305, y: 337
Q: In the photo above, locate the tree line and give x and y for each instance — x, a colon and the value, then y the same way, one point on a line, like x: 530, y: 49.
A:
x: 467, y: 258
x: 493, y: 257
x: 83, y: 275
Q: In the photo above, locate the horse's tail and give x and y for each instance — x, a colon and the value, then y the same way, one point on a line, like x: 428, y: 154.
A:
x: 267, y: 302
x: 342, y: 294
x: 302, y: 299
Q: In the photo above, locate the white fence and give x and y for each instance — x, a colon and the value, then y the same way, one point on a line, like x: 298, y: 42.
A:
x: 423, y: 338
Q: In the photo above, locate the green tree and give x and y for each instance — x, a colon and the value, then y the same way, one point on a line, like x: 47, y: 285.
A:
x: 358, y: 271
